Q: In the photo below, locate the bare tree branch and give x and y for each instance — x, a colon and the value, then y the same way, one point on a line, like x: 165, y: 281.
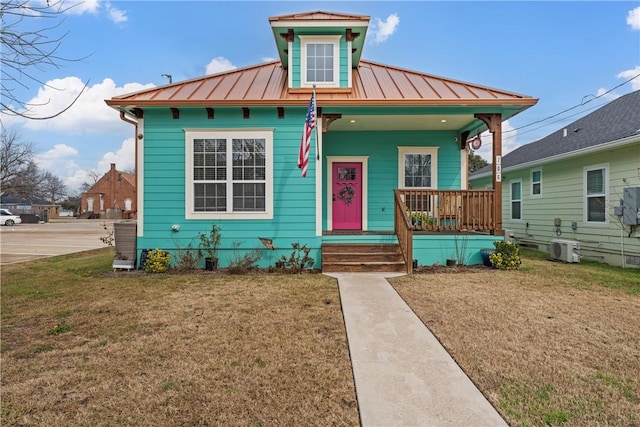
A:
x: 25, y: 52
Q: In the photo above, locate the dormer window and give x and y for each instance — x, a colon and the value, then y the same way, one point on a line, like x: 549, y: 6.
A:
x: 320, y: 61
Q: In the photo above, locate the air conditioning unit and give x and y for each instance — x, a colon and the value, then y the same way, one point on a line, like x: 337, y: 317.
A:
x: 565, y: 250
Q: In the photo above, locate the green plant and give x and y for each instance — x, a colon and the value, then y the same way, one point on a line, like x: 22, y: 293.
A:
x: 157, y: 261
x: 506, y: 256
x: 298, y: 259
x: 59, y: 329
x: 210, y: 242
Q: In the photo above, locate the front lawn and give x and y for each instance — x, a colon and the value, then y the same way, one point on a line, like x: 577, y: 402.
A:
x: 82, y: 346
x: 551, y: 344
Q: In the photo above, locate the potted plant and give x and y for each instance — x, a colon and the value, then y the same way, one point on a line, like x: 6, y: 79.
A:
x: 209, y: 244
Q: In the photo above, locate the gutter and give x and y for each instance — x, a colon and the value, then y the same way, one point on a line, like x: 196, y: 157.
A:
x: 589, y: 150
x: 124, y: 118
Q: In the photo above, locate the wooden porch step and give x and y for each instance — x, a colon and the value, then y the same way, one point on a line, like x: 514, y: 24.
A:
x: 362, y: 257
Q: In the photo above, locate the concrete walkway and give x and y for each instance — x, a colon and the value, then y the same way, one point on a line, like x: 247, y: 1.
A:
x: 403, y: 376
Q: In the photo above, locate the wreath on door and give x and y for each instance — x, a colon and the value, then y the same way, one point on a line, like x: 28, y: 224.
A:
x: 346, y: 193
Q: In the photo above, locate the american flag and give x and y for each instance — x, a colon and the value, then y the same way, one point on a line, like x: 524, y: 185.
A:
x: 305, y: 141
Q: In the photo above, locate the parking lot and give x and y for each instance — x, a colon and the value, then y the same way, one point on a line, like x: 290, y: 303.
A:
x: 25, y: 242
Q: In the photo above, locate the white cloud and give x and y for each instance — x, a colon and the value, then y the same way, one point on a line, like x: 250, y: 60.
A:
x: 383, y: 29
x: 509, y: 142
x: 94, y: 7
x: 218, y: 65
x: 61, y: 161
x: 116, y: 15
x: 268, y: 59
x: 627, y: 74
x: 633, y: 18
x: 89, y: 114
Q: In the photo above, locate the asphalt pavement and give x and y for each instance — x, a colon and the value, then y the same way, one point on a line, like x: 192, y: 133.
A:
x: 26, y: 242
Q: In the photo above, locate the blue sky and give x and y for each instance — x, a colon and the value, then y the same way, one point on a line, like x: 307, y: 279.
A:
x: 564, y: 53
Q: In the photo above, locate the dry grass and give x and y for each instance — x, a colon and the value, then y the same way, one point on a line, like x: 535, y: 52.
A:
x: 551, y: 344
x: 83, y: 347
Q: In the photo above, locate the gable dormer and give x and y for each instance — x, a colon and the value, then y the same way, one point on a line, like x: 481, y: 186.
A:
x: 319, y: 48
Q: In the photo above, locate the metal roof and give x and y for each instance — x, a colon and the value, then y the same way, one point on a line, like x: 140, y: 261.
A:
x: 615, y: 121
x: 319, y: 15
x: 374, y: 84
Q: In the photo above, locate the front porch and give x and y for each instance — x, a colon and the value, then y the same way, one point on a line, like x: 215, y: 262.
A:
x: 430, y: 226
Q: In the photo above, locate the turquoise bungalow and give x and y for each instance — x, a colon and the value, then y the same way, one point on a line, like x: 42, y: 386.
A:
x: 386, y: 186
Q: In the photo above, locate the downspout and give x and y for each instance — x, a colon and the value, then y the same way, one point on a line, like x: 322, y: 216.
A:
x: 135, y: 144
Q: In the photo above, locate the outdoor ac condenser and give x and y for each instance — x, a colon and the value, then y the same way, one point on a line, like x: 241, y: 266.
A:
x: 565, y: 250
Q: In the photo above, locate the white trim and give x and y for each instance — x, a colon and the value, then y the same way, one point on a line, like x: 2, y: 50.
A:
x: 535, y: 196
x: 464, y: 169
x: 365, y: 187
x: 576, y: 153
x: 433, y: 151
x: 228, y: 134
x: 290, y: 62
x: 140, y: 180
x: 319, y: 176
x: 335, y: 40
x: 349, y: 64
x: 585, y: 209
x: 511, y: 182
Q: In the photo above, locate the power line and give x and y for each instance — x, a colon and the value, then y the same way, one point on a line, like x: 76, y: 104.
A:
x: 583, y: 102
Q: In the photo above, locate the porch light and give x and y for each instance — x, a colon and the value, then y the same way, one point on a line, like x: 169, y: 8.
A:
x: 443, y: 121
x: 352, y: 121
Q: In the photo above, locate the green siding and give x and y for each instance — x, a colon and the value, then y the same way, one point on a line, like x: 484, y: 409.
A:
x: 382, y: 149
x: 164, y: 184
x: 563, y: 197
x: 296, y: 57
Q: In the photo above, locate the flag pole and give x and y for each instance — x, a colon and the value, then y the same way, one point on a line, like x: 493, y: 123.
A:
x: 315, y: 114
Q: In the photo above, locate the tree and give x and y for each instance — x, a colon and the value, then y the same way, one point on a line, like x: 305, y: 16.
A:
x: 16, y: 157
x: 51, y: 187
x: 476, y: 162
x: 26, y: 51
x: 20, y: 175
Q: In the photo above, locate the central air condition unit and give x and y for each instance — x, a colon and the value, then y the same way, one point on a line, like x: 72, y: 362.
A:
x: 565, y: 250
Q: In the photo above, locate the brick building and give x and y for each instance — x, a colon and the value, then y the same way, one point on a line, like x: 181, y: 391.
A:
x: 112, y: 196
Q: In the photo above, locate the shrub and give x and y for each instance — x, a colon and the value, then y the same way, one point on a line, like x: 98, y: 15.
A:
x: 506, y: 256
x: 157, y: 261
x: 240, y: 262
x: 298, y: 259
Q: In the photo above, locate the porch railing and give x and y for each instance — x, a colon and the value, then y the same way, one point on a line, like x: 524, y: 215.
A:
x: 447, y: 210
x: 440, y: 210
x: 404, y: 230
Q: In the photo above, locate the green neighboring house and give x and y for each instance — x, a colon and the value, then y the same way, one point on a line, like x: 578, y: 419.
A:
x: 579, y: 184
x: 386, y: 185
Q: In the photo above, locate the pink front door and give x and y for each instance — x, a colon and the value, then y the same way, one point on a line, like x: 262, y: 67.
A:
x: 347, y: 196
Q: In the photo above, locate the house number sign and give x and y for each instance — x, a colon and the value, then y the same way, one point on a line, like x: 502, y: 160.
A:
x: 498, y: 168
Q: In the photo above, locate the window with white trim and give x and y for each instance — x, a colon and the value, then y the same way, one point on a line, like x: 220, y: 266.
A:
x: 320, y: 60
x: 229, y: 174
x: 536, y: 183
x: 595, y: 183
x: 516, y: 199
x: 418, y: 167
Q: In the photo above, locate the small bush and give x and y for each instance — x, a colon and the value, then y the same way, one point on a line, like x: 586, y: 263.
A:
x: 157, y: 261
x: 506, y: 256
x: 299, y: 258
x: 187, y: 258
x: 241, y: 262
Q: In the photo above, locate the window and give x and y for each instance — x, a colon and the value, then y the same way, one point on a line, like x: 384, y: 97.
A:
x: 516, y: 199
x: 229, y: 174
x: 418, y: 167
x: 536, y: 183
x: 596, y: 194
x: 320, y: 61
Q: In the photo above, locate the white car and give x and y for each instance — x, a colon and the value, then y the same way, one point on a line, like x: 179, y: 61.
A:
x: 7, y: 218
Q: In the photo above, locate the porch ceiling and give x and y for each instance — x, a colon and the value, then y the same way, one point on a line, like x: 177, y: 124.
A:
x: 451, y: 122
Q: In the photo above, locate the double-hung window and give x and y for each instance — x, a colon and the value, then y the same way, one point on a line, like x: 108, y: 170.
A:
x: 320, y: 61
x: 229, y: 174
x: 516, y: 199
x: 418, y: 169
x: 595, y: 182
x: 536, y: 183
